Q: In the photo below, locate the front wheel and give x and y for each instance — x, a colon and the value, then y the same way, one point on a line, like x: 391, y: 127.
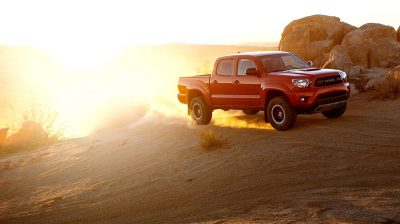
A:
x: 199, y: 111
x: 250, y: 111
x: 280, y: 114
x: 335, y: 113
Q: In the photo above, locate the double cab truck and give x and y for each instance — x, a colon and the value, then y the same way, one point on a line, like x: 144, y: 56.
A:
x: 280, y: 83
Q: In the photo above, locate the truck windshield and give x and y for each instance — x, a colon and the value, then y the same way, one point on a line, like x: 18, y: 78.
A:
x: 283, y: 62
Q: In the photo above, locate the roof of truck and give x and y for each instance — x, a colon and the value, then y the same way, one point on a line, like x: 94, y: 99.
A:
x: 257, y: 53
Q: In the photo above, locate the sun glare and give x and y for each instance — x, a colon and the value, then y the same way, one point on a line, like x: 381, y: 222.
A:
x: 83, y: 57
x: 85, y: 37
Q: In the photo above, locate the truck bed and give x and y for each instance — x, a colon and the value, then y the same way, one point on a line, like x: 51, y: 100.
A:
x: 189, y: 82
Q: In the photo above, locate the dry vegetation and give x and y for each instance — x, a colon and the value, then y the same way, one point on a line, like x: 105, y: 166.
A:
x: 210, y: 141
x: 34, y: 129
x: 389, y: 88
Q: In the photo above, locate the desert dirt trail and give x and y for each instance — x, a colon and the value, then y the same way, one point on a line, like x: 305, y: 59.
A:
x: 322, y: 171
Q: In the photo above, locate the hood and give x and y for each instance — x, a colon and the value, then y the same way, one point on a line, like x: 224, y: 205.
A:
x: 308, y: 72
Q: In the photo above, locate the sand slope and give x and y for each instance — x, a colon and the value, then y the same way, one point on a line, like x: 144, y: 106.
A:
x: 322, y: 171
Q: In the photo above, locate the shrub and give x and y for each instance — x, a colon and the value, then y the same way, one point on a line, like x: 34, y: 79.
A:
x: 209, y: 140
x: 33, y: 130
x: 389, y: 88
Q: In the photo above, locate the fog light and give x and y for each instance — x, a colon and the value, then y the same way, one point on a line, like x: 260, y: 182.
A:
x: 304, y: 99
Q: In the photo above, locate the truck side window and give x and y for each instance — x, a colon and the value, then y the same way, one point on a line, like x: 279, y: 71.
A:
x: 225, y: 67
x: 243, y: 65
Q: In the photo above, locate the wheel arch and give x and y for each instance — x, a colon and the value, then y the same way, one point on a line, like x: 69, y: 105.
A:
x: 192, y: 93
x: 272, y: 93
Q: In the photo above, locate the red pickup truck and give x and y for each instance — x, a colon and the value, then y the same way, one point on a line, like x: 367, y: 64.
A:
x: 280, y: 83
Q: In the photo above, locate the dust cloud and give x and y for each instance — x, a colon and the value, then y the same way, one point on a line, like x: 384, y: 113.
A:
x: 139, y: 84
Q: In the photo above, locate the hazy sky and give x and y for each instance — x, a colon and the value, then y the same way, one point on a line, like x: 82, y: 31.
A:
x: 66, y: 26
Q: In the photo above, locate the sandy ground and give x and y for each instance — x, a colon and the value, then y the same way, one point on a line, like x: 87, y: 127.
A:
x: 345, y: 170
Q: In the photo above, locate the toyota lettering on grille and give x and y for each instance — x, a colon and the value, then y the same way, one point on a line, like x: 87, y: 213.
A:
x: 330, y: 80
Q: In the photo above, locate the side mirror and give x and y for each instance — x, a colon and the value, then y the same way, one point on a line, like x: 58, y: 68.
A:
x: 251, y: 71
x: 310, y: 63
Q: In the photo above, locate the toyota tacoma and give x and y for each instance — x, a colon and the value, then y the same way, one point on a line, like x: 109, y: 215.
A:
x: 281, y: 84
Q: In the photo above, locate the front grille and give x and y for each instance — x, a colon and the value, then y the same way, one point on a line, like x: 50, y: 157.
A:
x: 329, y: 80
x: 332, y: 97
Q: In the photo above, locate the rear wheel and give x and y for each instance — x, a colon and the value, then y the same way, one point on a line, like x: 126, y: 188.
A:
x: 199, y: 111
x: 337, y: 112
x: 280, y: 114
x: 250, y: 111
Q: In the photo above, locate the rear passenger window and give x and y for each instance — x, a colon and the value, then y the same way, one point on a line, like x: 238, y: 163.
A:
x: 225, y: 67
x: 243, y: 65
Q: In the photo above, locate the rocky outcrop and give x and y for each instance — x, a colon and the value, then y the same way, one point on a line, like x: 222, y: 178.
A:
x: 330, y: 43
x: 314, y: 36
x: 373, y: 45
x: 398, y: 34
x: 347, y: 28
x: 338, y: 58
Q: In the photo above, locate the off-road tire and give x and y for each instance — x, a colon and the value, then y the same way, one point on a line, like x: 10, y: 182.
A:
x: 280, y: 114
x: 335, y: 113
x: 199, y: 111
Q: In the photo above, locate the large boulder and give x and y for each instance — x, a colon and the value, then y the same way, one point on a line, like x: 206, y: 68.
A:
x: 314, y: 36
x: 338, y: 58
x: 398, y: 34
x: 373, y: 45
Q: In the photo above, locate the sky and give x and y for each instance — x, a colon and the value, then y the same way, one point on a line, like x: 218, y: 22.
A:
x: 65, y: 27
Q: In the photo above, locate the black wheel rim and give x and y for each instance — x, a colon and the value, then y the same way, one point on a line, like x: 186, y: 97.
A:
x: 197, y: 112
x: 278, y: 114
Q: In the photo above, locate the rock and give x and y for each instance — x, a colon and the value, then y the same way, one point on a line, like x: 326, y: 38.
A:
x: 368, y: 78
x: 355, y: 70
x: 338, y: 59
x: 347, y: 28
x: 330, y: 43
x: 398, y: 34
x: 373, y: 45
x: 313, y: 36
x: 375, y: 76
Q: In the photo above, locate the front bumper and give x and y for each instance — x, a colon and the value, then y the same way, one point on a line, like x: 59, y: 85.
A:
x: 314, y: 100
x: 328, y: 106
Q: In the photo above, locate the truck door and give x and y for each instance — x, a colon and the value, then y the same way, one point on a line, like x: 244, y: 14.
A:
x: 247, y: 88
x: 221, y: 83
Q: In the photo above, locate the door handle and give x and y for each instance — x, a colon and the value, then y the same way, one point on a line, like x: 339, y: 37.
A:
x: 236, y: 82
x: 215, y: 81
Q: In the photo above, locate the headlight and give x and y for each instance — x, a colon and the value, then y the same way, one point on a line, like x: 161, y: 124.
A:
x: 343, y: 75
x: 301, y: 83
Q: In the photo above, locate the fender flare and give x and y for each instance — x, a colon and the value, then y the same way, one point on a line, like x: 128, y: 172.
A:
x: 278, y: 89
x: 200, y: 90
